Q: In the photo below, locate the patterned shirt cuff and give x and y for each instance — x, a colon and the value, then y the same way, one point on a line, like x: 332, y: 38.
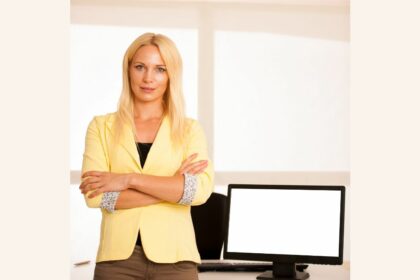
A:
x: 190, y: 187
x: 109, y: 199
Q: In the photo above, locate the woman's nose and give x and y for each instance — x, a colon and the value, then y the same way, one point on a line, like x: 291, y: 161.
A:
x: 148, y: 76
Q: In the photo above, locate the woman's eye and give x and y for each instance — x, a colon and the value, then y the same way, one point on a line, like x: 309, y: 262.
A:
x: 139, y: 67
x: 161, y: 70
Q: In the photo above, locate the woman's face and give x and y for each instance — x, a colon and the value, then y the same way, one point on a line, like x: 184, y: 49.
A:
x: 148, y: 76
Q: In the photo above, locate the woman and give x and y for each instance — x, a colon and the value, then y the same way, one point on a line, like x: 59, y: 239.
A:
x: 144, y: 166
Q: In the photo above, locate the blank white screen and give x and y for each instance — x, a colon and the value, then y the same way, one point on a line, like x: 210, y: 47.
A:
x: 291, y: 222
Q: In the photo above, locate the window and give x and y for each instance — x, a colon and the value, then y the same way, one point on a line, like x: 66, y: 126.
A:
x: 281, y: 103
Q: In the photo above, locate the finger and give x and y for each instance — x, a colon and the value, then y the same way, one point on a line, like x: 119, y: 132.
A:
x: 194, y: 165
x: 198, y: 169
x: 92, y: 173
x: 84, y: 189
x: 188, y: 160
x: 95, y: 186
x: 89, y: 180
x: 91, y: 187
x: 84, y: 185
x: 95, y: 193
x: 191, y: 168
x: 192, y: 156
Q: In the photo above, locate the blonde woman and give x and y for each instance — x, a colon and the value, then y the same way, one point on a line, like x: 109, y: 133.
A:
x: 145, y: 166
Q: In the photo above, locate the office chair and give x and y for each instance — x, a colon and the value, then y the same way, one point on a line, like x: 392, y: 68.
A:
x: 209, y: 226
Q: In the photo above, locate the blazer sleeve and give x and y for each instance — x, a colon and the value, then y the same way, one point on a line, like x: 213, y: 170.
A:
x: 205, y: 181
x: 94, y: 157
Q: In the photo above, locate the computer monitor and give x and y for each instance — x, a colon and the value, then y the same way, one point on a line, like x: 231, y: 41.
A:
x: 285, y: 225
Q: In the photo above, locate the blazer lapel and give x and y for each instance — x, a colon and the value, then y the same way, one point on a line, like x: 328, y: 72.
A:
x: 162, y: 135
x: 127, y: 141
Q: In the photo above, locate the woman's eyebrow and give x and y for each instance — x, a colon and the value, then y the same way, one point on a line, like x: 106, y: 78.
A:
x: 139, y: 62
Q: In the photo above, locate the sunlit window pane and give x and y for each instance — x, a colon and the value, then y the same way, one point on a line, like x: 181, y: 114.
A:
x: 281, y: 103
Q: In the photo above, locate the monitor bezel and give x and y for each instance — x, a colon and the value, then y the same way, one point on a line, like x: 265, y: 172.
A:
x: 281, y: 257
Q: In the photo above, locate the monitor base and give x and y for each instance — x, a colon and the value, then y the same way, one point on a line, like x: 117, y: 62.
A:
x: 268, y: 275
x: 283, y: 271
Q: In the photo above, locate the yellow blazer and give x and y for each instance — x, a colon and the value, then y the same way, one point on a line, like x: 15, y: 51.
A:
x: 166, y: 229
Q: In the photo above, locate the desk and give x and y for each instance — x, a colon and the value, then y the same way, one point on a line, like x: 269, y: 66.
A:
x: 316, y: 272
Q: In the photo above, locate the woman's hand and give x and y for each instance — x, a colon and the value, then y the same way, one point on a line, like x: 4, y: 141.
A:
x: 103, y: 182
x: 192, y: 168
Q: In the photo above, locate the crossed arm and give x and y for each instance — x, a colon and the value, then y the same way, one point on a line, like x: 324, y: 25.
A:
x: 138, y: 190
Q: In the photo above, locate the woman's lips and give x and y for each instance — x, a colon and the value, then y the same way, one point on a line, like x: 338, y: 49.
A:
x: 147, y: 89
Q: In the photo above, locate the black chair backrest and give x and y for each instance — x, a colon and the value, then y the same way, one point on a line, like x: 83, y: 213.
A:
x: 209, y: 222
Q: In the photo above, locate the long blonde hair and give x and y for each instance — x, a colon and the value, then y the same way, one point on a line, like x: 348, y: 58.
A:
x: 173, y: 99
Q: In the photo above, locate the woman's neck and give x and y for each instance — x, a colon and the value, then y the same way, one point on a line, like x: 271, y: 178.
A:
x: 148, y: 111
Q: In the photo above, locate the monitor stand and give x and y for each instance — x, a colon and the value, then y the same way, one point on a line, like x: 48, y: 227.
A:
x: 283, y: 271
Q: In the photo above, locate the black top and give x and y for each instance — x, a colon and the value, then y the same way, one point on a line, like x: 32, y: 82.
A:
x: 143, y: 150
